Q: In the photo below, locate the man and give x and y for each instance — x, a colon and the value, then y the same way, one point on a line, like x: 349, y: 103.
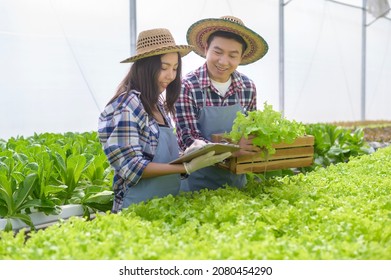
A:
x: 212, y: 95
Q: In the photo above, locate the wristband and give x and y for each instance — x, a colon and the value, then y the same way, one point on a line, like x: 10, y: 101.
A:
x: 186, y: 168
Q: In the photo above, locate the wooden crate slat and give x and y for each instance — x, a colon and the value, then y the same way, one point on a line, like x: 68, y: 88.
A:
x: 217, y: 138
x: 258, y: 167
x: 280, y: 154
x: 307, y: 140
x: 300, y: 153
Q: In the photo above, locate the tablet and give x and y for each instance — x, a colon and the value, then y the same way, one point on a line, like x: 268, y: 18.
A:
x: 217, y: 147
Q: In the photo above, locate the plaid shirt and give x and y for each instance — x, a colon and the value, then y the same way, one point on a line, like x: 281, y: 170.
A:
x: 197, y: 91
x: 129, y: 138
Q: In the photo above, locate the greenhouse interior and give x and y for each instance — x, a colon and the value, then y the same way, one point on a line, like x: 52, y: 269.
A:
x: 323, y: 90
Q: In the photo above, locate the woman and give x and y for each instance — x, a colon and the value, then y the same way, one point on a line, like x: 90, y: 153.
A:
x: 135, y: 128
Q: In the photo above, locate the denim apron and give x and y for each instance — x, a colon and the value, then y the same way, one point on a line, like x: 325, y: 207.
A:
x: 148, y: 188
x: 215, y: 120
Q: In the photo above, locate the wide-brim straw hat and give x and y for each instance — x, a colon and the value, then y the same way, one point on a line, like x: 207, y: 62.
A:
x: 155, y: 42
x: 199, y: 32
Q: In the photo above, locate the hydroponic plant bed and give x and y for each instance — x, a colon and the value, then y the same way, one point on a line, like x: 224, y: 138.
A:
x: 70, y: 168
x: 216, y: 215
x: 342, y: 212
x: 41, y: 174
x: 41, y: 220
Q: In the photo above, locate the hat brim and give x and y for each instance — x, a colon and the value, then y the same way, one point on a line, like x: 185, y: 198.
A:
x: 199, y: 32
x: 181, y: 49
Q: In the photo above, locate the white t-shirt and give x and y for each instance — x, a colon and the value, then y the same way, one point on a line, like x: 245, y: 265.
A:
x: 222, y: 87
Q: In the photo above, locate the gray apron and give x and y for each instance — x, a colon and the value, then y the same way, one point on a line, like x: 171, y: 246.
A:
x: 148, y: 188
x: 215, y: 120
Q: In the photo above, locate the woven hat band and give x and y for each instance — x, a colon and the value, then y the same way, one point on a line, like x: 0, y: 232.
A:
x: 233, y: 19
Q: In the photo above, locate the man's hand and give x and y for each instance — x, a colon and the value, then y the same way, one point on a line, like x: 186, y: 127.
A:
x: 247, y: 147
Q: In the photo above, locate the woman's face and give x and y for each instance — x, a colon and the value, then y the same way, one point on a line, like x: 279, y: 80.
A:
x: 223, y: 56
x: 168, y: 70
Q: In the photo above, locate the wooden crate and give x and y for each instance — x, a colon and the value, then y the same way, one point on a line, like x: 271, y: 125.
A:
x: 298, y: 154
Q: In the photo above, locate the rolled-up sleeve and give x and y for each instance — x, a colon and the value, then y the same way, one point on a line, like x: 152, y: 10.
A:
x: 186, y: 117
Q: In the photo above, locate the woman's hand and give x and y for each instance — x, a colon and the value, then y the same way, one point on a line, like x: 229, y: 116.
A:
x: 204, y: 161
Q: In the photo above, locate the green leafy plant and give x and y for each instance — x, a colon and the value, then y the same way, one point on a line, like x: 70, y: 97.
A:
x: 268, y: 126
x: 99, y: 171
x: 335, y: 144
x: 47, y: 187
x: 70, y: 169
x: 14, y: 198
x: 67, y: 168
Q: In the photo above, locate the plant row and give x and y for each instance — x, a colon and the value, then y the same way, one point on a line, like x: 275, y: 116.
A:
x: 45, y: 171
x: 342, y: 211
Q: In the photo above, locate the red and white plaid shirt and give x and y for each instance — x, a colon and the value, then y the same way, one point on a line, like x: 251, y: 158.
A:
x: 197, y: 91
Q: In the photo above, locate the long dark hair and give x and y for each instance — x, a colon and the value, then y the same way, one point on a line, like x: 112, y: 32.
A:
x: 143, y: 77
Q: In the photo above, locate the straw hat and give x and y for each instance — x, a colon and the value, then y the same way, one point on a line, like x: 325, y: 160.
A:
x: 199, y: 32
x: 154, y: 42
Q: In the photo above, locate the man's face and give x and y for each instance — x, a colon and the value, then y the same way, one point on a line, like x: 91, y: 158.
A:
x: 223, y: 56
